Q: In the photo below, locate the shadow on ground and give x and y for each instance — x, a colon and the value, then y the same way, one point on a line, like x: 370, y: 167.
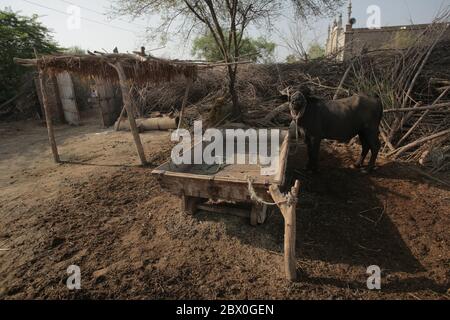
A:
x: 343, y: 219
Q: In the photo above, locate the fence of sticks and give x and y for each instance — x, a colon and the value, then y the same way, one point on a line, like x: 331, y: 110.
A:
x: 413, y: 84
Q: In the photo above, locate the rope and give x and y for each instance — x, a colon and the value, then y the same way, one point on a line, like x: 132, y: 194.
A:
x: 297, y: 116
x: 254, y: 196
x: 291, y: 200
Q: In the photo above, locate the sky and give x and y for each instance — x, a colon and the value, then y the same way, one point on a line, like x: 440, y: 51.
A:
x: 96, y: 31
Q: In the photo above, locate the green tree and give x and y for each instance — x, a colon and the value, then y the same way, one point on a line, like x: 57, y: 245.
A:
x: 75, y: 50
x: 257, y: 50
x: 19, y: 37
x: 226, y: 20
x: 316, y: 51
x: 292, y: 58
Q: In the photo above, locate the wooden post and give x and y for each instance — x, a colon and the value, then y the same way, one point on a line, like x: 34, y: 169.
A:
x: 48, y: 118
x: 341, y: 84
x: 185, y: 101
x: 254, y: 214
x: 189, y: 205
x: 122, y: 115
x: 127, y: 105
x: 288, y: 210
x: 258, y: 214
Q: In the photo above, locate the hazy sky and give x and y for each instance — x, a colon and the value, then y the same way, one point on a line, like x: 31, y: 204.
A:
x: 96, y: 32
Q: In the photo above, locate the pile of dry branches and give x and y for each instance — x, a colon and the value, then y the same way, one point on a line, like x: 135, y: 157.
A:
x: 258, y: 87
x: 414, y: 86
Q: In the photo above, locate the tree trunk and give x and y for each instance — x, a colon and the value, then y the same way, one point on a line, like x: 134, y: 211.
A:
x: 237, y: 112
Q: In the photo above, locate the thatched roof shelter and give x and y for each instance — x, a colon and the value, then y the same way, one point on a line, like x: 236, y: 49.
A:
x: 137, y: 68
x: 121, y: 68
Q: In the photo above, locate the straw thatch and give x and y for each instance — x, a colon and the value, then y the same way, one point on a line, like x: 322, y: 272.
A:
x: 139, y: 69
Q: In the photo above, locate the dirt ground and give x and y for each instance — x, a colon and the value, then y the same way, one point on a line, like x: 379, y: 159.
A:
x: 101, y: 211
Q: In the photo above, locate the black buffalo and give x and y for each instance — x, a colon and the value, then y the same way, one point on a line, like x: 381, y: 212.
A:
x: 339, y: 120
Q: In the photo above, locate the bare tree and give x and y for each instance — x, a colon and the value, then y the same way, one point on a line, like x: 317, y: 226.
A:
x: 294, y: 41
x: 226, y: 20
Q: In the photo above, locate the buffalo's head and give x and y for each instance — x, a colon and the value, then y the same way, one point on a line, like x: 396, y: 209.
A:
x: 297, y: 98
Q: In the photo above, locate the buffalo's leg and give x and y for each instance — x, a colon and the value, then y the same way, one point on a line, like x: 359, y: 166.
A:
x: 365, y: 151
x: 375, y: 146
x: 315, y: 151
x: 309, y: 145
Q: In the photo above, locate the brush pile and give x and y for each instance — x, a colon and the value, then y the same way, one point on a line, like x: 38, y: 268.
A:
x: 414, y: 86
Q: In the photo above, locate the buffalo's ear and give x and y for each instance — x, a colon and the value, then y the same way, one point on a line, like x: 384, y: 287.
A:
x: 306, y: 91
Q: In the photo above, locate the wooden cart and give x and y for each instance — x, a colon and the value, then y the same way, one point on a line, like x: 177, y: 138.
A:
x: 231, y: 184
x: 227, y: 184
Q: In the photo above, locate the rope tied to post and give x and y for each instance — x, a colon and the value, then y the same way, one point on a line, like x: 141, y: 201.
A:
x: 291, y: 199
x: 295, y: 118
x: 296, y: 115
x: 254, y: 196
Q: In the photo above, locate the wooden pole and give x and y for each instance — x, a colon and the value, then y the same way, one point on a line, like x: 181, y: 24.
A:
x: 425, y: 108
x: 341, y: 84
x: 397, y: 153
x: 127, y: 104
x: 185, y: 101
x: 122, y: 115
x: 424, y: 115
x: 288, y: 208
x: 48, y: 119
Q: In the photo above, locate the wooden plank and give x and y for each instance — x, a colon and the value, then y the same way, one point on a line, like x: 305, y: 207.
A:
x: 221, y: 209
x: 231, y: 173
x: 213, y: 189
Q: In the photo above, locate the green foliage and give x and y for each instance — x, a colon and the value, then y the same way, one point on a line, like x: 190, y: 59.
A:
x: 292, y: 58
x: 19, y: 36
x: 257, y: 50
x: 316, y: 51
x: 75, y: 50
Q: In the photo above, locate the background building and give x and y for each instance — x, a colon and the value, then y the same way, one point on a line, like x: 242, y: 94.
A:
x: 345, y: 42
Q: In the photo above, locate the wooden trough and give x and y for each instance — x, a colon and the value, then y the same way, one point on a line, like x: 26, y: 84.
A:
x: 237, y: 185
